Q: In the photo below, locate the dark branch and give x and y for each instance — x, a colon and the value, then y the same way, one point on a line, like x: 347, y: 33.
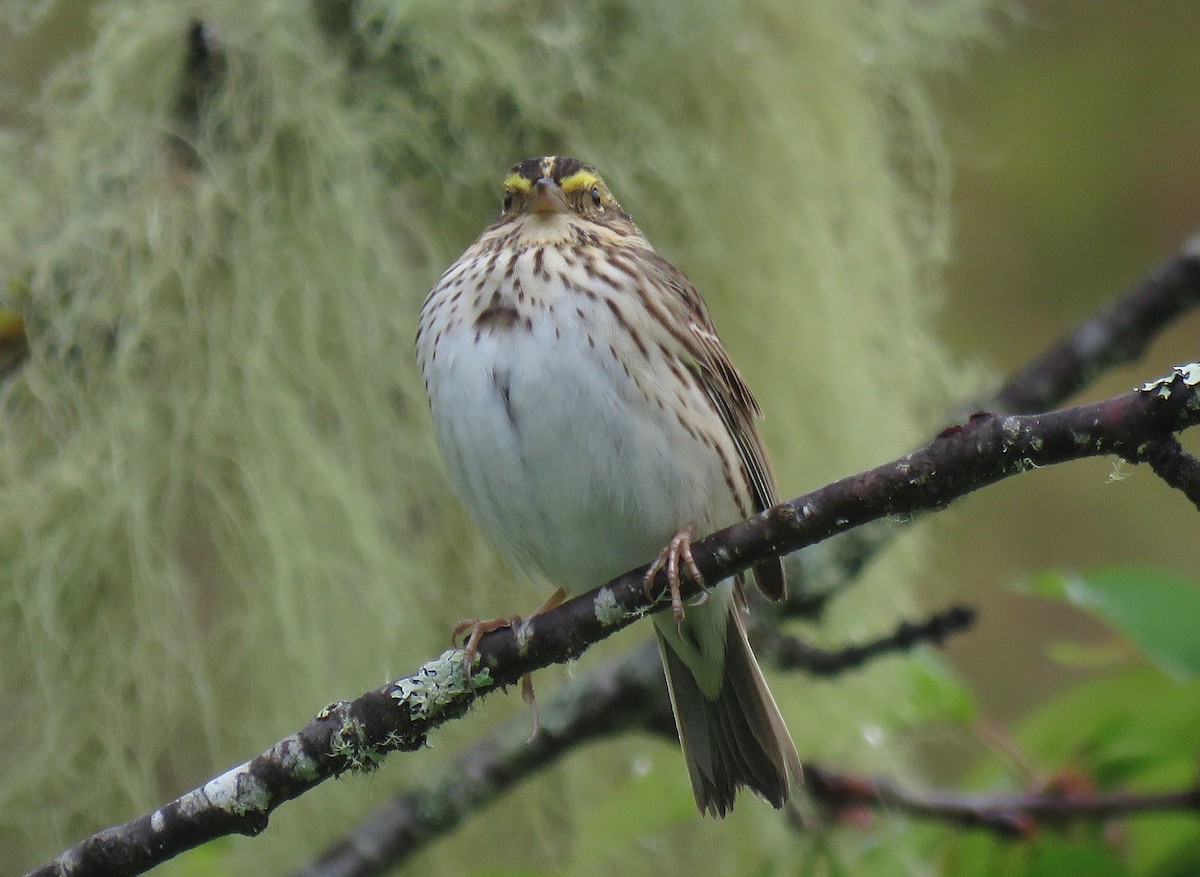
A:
x: 1116, y: 335
x: 1175, y: 466
x: 1017, y: 816
x: 790, y: 653
x: 398, y: 716
x: 964, y: 458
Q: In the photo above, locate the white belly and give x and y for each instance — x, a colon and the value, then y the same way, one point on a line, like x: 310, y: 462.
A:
x: 566, y: 460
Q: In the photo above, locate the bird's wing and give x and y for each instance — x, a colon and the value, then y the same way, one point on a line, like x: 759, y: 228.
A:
x: 730, y: 397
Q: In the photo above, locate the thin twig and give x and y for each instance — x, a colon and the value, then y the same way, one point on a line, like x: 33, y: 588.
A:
x: 1017, y: 816
x: 791, y: 653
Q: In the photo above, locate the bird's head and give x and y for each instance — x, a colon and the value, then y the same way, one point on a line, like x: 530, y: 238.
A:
x: 554, y: 185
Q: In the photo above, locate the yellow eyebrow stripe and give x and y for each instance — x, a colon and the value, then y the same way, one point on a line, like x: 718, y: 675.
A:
x: 579, y: 181
x: 517, y: 183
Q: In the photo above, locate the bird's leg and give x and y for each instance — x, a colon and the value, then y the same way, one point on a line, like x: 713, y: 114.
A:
x: 552, y: 602
x: 478, y: 629
x: 528, y: 697
x: 679, y: 548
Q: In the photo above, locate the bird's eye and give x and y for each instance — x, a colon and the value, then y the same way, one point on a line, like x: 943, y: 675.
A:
x: 508, y: 196
x: 596, y: 195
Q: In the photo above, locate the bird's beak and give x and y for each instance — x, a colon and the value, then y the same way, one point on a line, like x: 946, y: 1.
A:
x: 547, y: 197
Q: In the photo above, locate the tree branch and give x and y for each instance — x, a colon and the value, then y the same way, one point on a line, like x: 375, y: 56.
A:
x: 618, y: 697
x: 398, y: 716
x: 1117, y: 334
x: 1017, y: 816
x: 1175, y: 466
x: 790, y: 653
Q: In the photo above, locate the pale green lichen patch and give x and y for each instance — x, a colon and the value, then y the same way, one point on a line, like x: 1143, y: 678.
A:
x: 1120, y: 470
x: 1010, y: 428
x: 1189, y: 373
x: 608, y: 610
x: 1160, y: 387
x: 296, y: 761
x: 522, y: 634
x: 328, y: 711
x: 235, y: 791
x: 346, y: 743
x: 438, y: 683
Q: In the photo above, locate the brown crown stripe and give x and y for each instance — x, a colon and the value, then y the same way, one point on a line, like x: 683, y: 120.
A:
x: 556, y: 167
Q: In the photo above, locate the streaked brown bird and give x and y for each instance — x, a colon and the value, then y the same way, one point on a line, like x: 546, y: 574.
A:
x: 588, y: 416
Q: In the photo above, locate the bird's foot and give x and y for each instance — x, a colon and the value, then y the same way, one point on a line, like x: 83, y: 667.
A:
x: 476, y: 629
x: 677, y: 551
x: 480, y: 628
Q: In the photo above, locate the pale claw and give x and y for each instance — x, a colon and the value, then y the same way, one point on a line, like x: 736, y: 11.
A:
x: 478, y: 630
x: 527, y: 696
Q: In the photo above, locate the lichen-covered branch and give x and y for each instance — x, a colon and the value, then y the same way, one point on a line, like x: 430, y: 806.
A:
x: 964, y: 458
x: 618, y: 697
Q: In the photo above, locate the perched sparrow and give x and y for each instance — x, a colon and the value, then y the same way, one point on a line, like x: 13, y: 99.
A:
x: 588, y: 416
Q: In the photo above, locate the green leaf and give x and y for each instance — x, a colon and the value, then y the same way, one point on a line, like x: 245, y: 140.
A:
x: 1117, y: 727
x: 1158, y: 611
